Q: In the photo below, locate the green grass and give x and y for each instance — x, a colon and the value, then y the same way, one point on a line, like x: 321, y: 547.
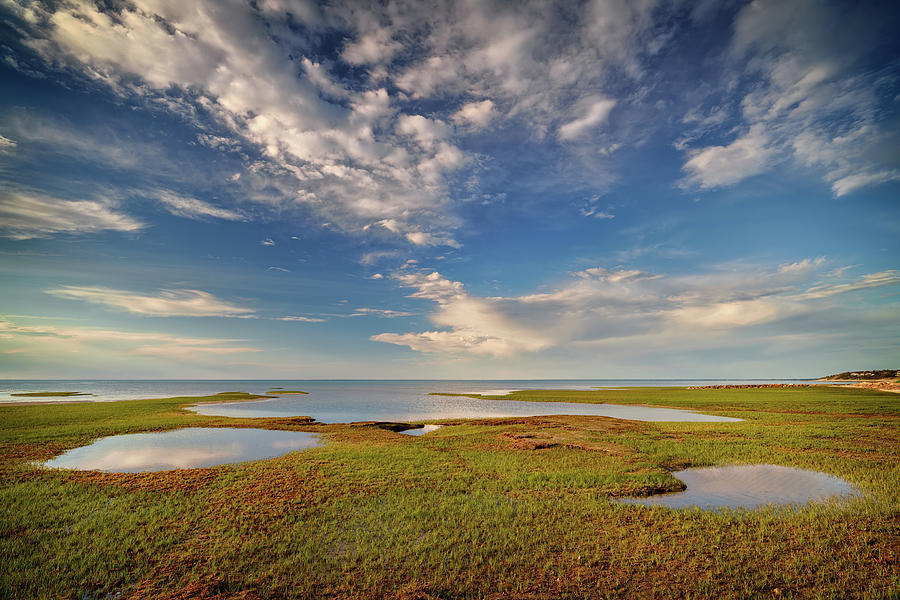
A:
x: 505, y: 508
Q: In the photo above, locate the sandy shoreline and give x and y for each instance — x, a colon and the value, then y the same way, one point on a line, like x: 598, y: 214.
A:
x: 884, y: 385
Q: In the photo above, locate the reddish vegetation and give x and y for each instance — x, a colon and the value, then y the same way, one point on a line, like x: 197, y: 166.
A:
x: 750, y: 386
x: 159, y: 481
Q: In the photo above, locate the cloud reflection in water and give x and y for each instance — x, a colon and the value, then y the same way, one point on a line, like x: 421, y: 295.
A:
x: 189, y: 448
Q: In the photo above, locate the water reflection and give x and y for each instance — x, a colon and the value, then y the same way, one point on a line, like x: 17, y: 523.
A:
x: 750, y: 486
x: 189, y: 448
x: 421, y: 430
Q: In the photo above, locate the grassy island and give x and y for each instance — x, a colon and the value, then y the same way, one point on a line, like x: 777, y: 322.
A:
x: 864, y: 375
x: 497, y: 508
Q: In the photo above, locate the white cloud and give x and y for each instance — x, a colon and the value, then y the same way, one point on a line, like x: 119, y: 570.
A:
x: 728, y: 315
x: 193, y: 208
x: 422, y: 238
x: 476, y: 115
x: 807, y: 98
x: 851, y: 183
x: 427, y: 132
x: 67, y: 341
x: 372, y: 47
x: 380, y: 312
x: 166, y: 303
x: 595, y: 212
x: 871, y: 280
x: 100, y: 144
x: 26, y: 214
x: 594, y: 112
x: 615, y: 276
x: 324, y: 147
x: 717, y: 166
x: 6, y: 144
x: 806, y: 265
x: 600, y: 306
x: 301, y: 319
x: 376, y: 256
x: 267, y: 242
x: 377, y: 276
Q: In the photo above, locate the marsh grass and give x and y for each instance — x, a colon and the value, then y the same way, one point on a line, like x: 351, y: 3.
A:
x: 514, y: 508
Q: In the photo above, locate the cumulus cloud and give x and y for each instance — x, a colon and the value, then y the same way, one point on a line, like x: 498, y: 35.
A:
x: 27, y: 214
x: 333, y: 144
x: 373, y: 47
x: 165, y: 303
x: 599, y: 306
x: 476, y: 115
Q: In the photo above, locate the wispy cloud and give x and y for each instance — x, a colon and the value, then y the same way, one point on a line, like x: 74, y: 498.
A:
x: 165, y: 303
x: 380, y: 312
x: 803, y: 98
x: 27, y: 214
x: 192, y: 208
x: 301, y: 319
x: 101, y: 144
x: 594, y: 111
x: 716, y: 166
x: 871, y: 280
x: 46, y: 339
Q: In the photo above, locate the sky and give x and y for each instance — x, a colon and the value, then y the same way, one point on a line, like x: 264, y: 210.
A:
x: 448, y: 189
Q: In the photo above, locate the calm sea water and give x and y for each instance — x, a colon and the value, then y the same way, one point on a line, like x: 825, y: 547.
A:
x: 112, y: 390
x: 335, y: 401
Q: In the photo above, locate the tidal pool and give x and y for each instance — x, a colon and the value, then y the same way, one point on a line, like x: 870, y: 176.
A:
x: 189, y: 448
x: 348, y: 405
x: 750, y: 486
x: 421, y: 430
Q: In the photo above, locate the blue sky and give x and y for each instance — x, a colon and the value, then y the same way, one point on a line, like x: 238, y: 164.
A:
x: 603, y: 189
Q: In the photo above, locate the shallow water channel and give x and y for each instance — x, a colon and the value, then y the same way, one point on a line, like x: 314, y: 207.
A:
x: 750, y: 486
x: 347, y: 406
x: 189, y: 448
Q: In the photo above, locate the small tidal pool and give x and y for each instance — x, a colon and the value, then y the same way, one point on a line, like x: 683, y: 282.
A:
x: 750, y: 486
x: 189, y: 448
x: 421, y: 430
